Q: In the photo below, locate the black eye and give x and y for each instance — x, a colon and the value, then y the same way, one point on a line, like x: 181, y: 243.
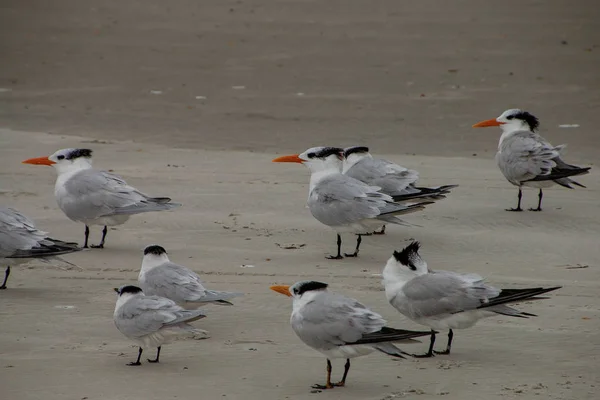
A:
x: 311, y: 155
x: 295, y: 290
x: 60, y: 157
x: 510, y: 117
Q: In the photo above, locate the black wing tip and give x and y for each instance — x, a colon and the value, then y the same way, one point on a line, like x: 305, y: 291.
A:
x: 405, y: 255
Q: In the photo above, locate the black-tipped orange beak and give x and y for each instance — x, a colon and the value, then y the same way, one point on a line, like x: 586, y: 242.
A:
x: 487, y: 122
x: 283, y: 289
x: 292, y: 158
x: 39, y: 161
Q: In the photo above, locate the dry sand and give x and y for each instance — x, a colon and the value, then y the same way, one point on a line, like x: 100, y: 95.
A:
x: 84, y: 72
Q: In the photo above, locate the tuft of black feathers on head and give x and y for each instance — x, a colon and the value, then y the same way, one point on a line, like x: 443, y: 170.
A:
x: 355, y: 149
x: 76, y: 153
x: 326, y: 152
x: 308, y: 286
x: 529, y: 119
x: 408, y: 254
x: 129, y: 289
x: 155, y: 249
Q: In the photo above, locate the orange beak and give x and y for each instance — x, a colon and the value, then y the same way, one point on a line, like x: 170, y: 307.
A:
x: 487, y: 122
x: 283, y: 289
x: 39, y: 161
x: 292, y: 158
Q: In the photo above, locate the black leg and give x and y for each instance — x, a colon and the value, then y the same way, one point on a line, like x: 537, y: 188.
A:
x: 339, y: 253
x: 101, y: 245
x: 328, y: 385
x: 137, y: 362
x: 430, y: 351
x: 87, y: 236
x: 539, y: 207
x: 346, y: 369
x: 518, y: 204
x: 355, y: 254
x: 381, y: 232
x: 449, y: 346
x: 157, y: 356
x: 6, y: 274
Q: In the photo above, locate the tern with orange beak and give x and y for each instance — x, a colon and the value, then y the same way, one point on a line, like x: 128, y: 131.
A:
x: 340, y: 327
x: 527, y: 159
x: 343, y: 203
x: 96, y: 197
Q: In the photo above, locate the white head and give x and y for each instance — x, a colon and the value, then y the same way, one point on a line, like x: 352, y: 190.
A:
x: 317, y: 159
x: 65, y: 160
x: 512, y: 120
x: 154, y: 255
x: 126, y: 292
x: 405, y: 265
x: 301, y: 291
x: 354, y: 154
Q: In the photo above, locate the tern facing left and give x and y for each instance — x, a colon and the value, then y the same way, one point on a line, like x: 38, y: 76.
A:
x: 96, y: 197
x: 527, y: 159
x: 447, y: 300
x: 340, y: 327
x: 151, y: 321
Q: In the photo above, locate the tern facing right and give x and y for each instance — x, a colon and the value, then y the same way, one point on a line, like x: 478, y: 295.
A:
x: 447, y: 300
x: 20, y: 241
x: 340, y: 327
x: 95, y: 197
x: 527, y: 159
x: 151, y: 321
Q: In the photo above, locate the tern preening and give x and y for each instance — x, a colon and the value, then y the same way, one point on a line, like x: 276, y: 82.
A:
x: 340, y: 327
x: 96, y: 197
x: 527, y: 159
x: 20, y: 241
x: 344, y: 203
x: 161, y: 277
x: 151, y: 321
x: 393, y: 179
x: 447, y: 300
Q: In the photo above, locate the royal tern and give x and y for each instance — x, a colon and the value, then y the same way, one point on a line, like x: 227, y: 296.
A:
x: 344, y: 203
x: 447, y: 300
x: 20, y: 241
x: 527, y: 159
x: 393, y: 179
x: 151, y: 321
x: 160, y: 277
x: 96, y: 197
x: 339, y: 327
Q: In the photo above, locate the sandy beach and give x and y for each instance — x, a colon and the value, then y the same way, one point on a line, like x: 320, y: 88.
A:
x: 122, y: 78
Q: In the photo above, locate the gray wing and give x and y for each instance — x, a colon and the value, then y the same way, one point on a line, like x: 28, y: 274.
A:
x: 333, y: 320
x: 526, y: 155
x: 91, y: 194
x: 340, y: 200
x: 180, y: 284
x: 392, y: 178
x: 19, y: 238
x: 142, y: 315
x: 443, y: 292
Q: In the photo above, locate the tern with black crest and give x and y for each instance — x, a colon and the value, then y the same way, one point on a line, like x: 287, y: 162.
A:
x: 527, y: 159
x: 447, y: 300
x: 96, y: 197
x: 340, y: 327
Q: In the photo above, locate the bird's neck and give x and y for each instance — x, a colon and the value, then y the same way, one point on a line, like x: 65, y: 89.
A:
x: 124, y: 298
x: 151, y: 261
x: 509, y: 130
x: 350, y: 161
x: 318, y: 176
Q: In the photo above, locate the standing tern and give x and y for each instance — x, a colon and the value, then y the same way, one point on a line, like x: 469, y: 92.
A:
x: 96, y: 197
x: 20, y: 241
x: 527, y: 159
x: 340, y: 327
x: 447, y: 300
x: 151, y: 321
x: 160, y: 277
x: 344, y: 203
x: 393, y: 179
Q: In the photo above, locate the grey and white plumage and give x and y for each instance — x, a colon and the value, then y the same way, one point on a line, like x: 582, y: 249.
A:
x: 21, y: 241
x: 96, y: 197
x: 340, y: 327
x: 161, y: 277
x: 527, y: 159
x: 446, y: 300
x: 151, y: 321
